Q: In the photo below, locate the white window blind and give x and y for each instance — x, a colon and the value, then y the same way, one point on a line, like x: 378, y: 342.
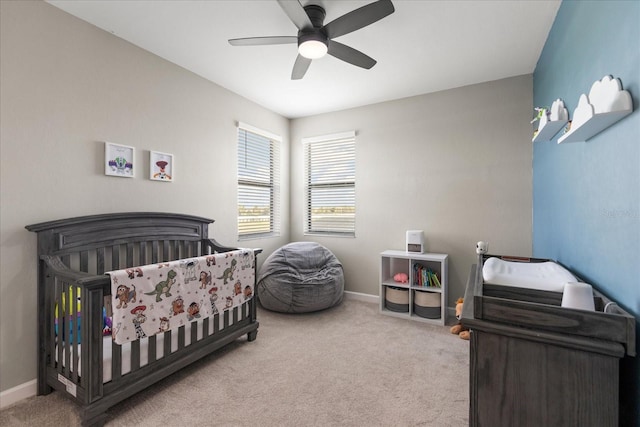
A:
x: 330, y: 184
x: 258, y: 183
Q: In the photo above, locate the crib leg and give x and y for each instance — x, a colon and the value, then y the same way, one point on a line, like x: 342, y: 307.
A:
x: 43, y: 387
x: 251, y: 336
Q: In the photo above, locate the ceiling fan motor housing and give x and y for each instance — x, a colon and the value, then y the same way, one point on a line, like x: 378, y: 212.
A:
x: 316, y: 16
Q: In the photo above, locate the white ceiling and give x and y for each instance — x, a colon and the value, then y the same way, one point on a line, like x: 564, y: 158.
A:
x: 424, y: 46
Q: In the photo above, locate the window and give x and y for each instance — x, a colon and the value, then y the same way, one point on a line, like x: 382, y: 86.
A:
x: 258, y: 183
x: 330, y: 184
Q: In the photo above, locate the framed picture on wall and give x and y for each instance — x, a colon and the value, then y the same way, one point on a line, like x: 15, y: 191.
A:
x: 161, y: 166
x: 118, y: 160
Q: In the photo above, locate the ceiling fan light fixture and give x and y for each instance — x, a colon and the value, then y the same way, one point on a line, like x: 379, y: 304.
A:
x: 312, y: 46
x: 312, y: 49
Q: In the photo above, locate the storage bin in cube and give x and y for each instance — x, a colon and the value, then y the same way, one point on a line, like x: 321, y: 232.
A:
x: 396, y: 299
x: 427, y: 304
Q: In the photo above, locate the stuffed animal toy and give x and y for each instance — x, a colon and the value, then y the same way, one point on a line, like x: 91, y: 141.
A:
x: 401, y: 278
x: 482, y: 248
x: 459, y: 329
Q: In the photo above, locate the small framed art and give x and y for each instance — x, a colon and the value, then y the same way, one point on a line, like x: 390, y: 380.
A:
x: 161, y: 166
x: 118, y: 160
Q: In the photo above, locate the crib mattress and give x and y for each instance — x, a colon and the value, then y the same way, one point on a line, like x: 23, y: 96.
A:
x: 545, y: 276
x: 144, y: 349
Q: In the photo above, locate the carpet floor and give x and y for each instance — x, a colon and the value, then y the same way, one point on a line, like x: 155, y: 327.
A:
x: 345, y: 366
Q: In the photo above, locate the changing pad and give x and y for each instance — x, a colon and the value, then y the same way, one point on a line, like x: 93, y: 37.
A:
x: 545, y: 276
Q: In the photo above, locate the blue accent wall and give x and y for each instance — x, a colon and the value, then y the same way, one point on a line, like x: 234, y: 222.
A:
x: 586, y: 195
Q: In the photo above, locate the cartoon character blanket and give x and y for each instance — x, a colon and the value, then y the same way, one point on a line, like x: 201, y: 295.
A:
x: 155, y: 298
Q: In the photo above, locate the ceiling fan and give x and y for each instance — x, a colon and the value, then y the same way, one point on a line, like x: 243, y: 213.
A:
x: 315, y: 39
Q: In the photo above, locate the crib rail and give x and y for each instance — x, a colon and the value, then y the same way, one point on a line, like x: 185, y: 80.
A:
x: 75, y: 303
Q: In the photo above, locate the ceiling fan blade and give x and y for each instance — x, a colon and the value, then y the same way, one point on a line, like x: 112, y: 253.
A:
x: 296, y: 13
x: 259, y: 41
x: 300, y: 67
x: 359, y: 18
x: 350, y: 55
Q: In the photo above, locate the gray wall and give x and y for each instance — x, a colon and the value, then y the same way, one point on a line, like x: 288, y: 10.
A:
x: 456, y: 164
x: 66, y: 87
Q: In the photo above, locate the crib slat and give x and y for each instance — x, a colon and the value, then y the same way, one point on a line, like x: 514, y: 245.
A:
x: 194, y: 332
x: 66, y: 308
x: 179, y: 250
x: 60, y: 338
x: 167, y: 344
x: 216, y: 323
x: 135, y: 355
x: 84, y: 261
x: 78, y: 328
x: 100, y: 261
x: 205, y: 328
x: 129, y: 261
x: 116, y: 350
x: 116, y: 361
x: 152, y: 353
x: 115, y: 257
x: 181, y: 337
x: 188, y: 249
x: 142, y: 259
x: 165, y: 251
x: 154, y: 252
x: 226, y: 319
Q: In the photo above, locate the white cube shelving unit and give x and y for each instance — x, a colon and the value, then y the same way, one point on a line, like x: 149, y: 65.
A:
x: 394, y: 262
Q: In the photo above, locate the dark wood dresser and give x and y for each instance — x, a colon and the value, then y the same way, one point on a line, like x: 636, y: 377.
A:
x: 534, y: 363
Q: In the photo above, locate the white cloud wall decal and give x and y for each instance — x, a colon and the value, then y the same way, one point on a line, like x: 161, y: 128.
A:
x: 558, y: 112
x: 550, y: 124
x: 606, y: 103
x: 606, y: 95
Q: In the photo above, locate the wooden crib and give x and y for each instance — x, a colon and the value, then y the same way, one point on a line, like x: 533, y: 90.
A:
x: 73, y: 255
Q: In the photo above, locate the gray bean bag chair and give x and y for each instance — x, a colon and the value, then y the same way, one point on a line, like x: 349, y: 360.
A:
x: 299, y: 278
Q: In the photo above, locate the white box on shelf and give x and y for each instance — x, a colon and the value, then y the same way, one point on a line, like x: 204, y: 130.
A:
x: 415, y: 241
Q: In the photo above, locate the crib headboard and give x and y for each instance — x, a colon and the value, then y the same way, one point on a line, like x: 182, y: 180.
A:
x: 99, y: 243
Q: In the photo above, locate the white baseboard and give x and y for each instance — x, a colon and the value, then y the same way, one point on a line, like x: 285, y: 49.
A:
x: 362, y: 297
x: 451, y: 311
x: 17, y: 393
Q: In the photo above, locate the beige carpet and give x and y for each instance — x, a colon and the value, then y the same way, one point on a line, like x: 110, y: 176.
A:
x: 346, y: 366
